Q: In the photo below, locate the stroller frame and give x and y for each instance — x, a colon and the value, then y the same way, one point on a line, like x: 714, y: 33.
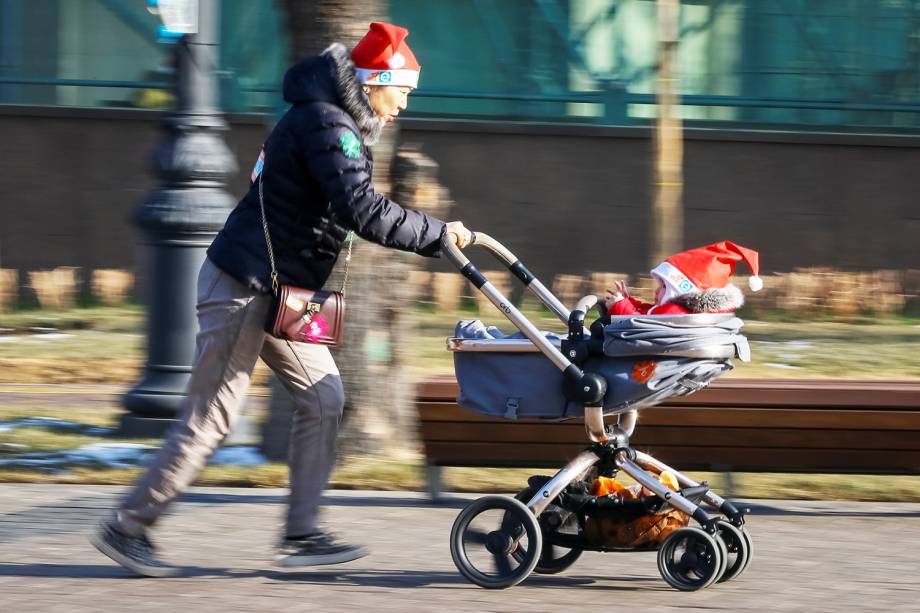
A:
x: 610, y: 442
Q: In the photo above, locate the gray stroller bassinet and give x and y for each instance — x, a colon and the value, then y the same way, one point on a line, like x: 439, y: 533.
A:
x: 618, y: 366
x: 644, y: 360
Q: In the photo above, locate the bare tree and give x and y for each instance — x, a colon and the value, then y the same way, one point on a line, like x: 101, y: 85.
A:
x: 667, y: 212
x: 315, y: 24
x: 372, y: 274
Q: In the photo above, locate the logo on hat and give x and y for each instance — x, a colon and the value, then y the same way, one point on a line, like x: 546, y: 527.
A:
x: 385, y: 77
x: 684, y: 285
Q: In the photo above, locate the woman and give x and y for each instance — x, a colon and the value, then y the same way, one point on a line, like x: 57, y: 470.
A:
x: 315, y: 173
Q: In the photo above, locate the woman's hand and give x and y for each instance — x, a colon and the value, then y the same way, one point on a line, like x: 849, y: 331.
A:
x: 464, y: 236
x: 622, y: 289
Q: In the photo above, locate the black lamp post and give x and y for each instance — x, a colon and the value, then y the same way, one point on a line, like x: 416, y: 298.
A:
x: 179, y: 220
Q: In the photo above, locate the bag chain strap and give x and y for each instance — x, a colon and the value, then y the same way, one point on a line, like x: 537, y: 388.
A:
x: 271, y: 254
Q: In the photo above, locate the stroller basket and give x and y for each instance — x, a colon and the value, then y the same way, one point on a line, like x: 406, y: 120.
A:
x: 644, y: 360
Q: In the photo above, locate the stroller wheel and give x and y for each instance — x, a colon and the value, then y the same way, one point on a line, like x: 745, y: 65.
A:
x: 690, y: 559
x: 496, y: 542
x: 553, y: 558
x: 737, y: 543
x: 723, y: 551
x: 750, y: 550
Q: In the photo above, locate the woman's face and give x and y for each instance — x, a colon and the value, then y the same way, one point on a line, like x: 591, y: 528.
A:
x: 387, y: 100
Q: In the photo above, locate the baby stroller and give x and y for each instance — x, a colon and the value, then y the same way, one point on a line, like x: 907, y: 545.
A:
x: 617, y: 367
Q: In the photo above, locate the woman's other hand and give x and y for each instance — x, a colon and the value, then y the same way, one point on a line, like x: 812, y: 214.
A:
x: 622, y: 289
x: 464, y: 236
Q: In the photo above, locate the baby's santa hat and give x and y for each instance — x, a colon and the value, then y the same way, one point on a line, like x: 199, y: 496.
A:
x: 706, y: 268
x: 382, y: 57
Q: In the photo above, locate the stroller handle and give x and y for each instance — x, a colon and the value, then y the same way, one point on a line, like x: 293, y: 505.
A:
x: 517, y: 268
x: 585, y: 387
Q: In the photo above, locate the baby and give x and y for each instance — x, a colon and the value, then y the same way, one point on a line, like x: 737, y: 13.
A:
x: 694, y: 281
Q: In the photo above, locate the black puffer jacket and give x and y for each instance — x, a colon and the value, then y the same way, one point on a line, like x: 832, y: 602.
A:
x: 317, y: 185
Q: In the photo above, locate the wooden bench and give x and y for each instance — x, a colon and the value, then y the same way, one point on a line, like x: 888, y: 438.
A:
x: 734, y: 425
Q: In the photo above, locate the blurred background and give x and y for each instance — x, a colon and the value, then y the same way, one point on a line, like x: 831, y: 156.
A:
x: 591, y: 137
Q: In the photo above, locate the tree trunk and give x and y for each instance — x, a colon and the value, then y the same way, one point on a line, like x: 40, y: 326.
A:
x: 375, y: 277
x: 667, y: 224
x: 313, y: 25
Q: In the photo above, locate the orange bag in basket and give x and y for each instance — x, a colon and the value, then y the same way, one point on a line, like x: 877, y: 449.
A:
x: 643, y: 531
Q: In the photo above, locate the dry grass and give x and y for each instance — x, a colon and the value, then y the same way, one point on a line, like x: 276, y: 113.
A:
x: 55, y: 289
x: 9, y: 288
x: 824, y: 292
x: 882, y: 350
x: 383, y: 474
x: 403, y: 472
x: 101, y: 345
x: 106, y: 346
x: 885, y: 349
x: 569, y: 288
x: 126, y: 318
x: 600, y: 282
x: 501, y: 279
x: 73, y: 357
x: 112, y: 287
x: 446, y: 290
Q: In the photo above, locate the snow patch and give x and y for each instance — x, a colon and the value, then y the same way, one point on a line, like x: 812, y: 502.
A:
x: 114, y: 455
x: 775, y: 365
x: 53, y: 423
x: 122, y: 455
x: 238, y: 456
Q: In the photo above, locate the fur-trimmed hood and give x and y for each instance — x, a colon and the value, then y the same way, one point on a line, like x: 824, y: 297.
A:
x: 715, y: 300
x: 330, y: 77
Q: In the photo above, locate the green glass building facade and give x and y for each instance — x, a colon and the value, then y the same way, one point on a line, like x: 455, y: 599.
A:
x: 830, y: 65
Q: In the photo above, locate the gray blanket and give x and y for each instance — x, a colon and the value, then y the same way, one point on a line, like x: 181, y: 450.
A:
x: 651, y: 335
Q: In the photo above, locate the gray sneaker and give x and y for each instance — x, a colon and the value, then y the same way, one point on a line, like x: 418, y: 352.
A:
x: 136, y: 553
x: 316, y: 550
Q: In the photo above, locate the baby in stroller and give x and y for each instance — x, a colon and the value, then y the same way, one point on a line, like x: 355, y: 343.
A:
x: 623, y: 363
x: 693, y: 281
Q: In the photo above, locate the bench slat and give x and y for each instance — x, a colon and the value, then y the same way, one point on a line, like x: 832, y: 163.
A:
x: 682, y: 458
x: 869, y: 418
x: 675, y: 435
x: 736, y: 424
x: 822, y: 393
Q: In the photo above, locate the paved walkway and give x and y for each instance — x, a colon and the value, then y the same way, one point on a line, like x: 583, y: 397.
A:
x: 809, y: 557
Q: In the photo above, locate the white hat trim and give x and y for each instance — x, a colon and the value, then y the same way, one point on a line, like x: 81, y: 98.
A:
x: 399, y: 78
x: 676, y: 283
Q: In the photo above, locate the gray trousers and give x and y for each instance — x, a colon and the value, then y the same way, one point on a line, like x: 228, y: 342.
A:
x: 231, y: 338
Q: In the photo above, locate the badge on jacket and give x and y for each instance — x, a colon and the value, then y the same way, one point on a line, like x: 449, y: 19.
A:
x: 351, y: 146
x: 260, y: 164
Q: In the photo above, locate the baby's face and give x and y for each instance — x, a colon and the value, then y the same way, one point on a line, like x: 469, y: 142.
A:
x: 659, y: 292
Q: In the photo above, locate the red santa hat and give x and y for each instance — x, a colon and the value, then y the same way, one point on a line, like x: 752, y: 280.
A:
x: 382, y: 57
x: 704, y: 268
